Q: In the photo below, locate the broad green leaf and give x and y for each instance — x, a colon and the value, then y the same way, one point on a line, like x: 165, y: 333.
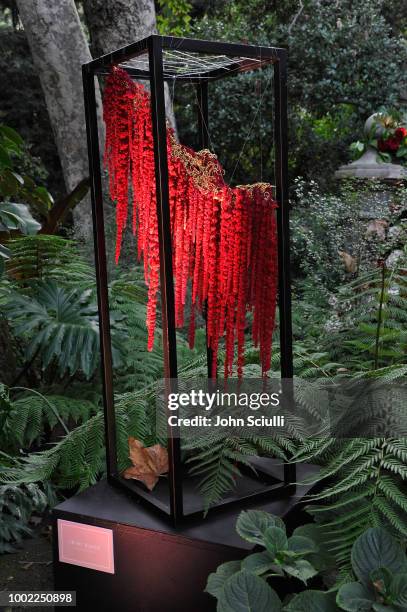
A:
x: 398, y: 590
x: 10, y: 184
x: 61, y: 326
x: 275, y: 540
x: 29, y: 183
x: 252, y: 524
x: 11, y: 135
x: 301, y: 569
x: 43, y: 194
x: 301, y: 544
x: 258, y: 563
x: 322, y: 559
x: 357, y: 146
x: 27, y: 224
x: 9, y: 220
x: 312, y: 601
x: 376, y: 548
x: 5, y: 160
x: 354, y: 597
x: 245, y: 592
x: 384, y: 157
x: 216, y: 580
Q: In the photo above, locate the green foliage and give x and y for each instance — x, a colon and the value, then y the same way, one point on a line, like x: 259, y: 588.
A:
x: 27, y: 418
x: 352, y: 48
x: 42, y: 256
x: 78, y: 459
x: 17, y: 217
x: 215, y: 461
x: 368, y: 490
x: 140, y: 367
x: 244, y: 592
x: 174, y: 17
x: 312, y: 601
x: 283, y: 556
x: 365, y: 478
x: 13, y: 184
x: 17, y: 504
x: 379, y: 564
x: 345, y: 62
x: 61, y: 325
x: 326, y: 226
x: 23, y: 107
x: 373, y: 324
x: 242, y: 585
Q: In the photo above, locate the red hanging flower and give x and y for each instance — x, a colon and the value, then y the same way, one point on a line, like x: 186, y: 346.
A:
x: 224, y: 240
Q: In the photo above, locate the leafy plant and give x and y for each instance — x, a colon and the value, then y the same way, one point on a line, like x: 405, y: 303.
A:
x: 20, y: 195
x: 331, y: 45
x: 332, y: 241
x: 241, y: 585
x: 378, y: 563
x: 25, y: 419
x: 78, y: 459
x: 174, y: 17
x: 373, y: 308
x: 12, y: 184
x: 369, y: 478
x: 14, y: 218
x: 283, y: 555
x: 61, y: 325
x: 217, y: 461
x: 16, y: 186
x: 380, y: 566
x: 44, y: 256
x: 17, y: 504
x: 139, y: 367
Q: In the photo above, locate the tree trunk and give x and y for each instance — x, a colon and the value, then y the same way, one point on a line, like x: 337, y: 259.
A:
x: 59, y: 48
x: 115, y: 23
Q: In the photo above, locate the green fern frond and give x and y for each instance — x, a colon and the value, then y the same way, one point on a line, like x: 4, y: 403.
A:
x: 369, y: 490
x: 43, y: 256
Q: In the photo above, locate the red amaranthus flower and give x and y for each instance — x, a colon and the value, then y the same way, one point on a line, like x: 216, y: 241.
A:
x: 224, y: 239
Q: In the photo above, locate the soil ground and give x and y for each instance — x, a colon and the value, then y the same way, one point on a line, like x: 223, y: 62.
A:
x: 29, y: 568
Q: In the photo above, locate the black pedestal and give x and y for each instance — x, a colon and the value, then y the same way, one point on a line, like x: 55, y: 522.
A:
x: 158, y: 568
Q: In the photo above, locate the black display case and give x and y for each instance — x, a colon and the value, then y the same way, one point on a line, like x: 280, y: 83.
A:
x: 159, y: 59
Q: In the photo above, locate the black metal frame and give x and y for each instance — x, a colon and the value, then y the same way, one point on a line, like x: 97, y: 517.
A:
x: 154, y: 45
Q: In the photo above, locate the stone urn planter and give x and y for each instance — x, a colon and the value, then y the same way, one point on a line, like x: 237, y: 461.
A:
x: 369, y: 167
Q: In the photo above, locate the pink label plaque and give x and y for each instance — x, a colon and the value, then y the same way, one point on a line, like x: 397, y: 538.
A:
x: 86, y: 545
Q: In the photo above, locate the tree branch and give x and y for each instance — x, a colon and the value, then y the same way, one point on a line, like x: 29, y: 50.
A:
x: 295, y: 18
x: 60, y: 209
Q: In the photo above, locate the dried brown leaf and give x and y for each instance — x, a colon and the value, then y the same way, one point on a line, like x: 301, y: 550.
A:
x: 148, y: 463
